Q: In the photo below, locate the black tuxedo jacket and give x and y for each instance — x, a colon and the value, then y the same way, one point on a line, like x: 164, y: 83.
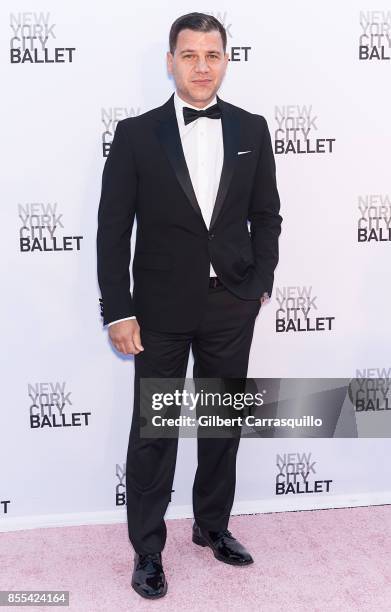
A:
x: 145, y: 175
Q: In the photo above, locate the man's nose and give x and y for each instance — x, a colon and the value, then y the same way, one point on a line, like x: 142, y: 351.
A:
x: 202, y: 65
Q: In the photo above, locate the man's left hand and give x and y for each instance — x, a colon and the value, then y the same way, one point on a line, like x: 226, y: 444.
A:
x: 264, y: 298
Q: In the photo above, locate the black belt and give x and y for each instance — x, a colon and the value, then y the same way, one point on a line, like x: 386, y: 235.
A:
x: 214, y: 282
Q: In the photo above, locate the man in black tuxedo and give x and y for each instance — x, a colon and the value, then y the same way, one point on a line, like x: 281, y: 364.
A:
x: 198, y: 173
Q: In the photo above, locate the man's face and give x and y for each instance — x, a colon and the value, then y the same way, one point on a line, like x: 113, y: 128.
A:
x: 198, y: 65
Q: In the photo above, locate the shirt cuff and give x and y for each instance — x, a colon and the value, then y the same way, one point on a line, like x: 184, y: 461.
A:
x: 118, y: 320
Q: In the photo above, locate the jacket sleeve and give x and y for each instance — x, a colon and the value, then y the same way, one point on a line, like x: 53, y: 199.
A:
x: 264, y: 217
x: 116, y: 213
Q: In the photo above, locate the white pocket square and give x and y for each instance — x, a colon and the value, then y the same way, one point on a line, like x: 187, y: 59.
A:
x: 243, y: 152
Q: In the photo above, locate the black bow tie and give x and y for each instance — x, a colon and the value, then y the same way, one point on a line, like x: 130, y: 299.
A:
x: 190, y: 114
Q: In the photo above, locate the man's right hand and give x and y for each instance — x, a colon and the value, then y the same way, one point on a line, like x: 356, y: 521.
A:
x: 125, y: 336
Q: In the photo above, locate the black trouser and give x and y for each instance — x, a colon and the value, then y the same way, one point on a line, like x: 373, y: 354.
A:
x: 221, y: 345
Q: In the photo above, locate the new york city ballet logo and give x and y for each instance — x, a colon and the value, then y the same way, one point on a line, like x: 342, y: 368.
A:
x: 109, y: 118
x: 4, y: 506
x: 50, y: 405
x: 120, y: 485
x: 236, y: 52
x: 41, y: 229
x: 296, y: 473
x: 34, y: 40
x: 370, y: 391
x: 297, y: 131
x: 374, y: 218
x: 375, y: 36
x: 298, y: 311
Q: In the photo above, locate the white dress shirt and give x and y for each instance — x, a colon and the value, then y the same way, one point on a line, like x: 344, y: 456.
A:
x: 202, y: 143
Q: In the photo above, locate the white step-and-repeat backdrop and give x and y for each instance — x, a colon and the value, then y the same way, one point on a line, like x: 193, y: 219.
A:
x: 321, y: 75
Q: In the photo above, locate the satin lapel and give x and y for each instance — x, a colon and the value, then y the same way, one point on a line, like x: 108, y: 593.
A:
x: 168, y: 134
x: 230, y: 125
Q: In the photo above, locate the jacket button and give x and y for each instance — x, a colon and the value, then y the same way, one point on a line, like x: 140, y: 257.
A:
x: 211, y: 236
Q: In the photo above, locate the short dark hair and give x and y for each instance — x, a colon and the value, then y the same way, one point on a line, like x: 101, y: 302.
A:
x: 199, y: 22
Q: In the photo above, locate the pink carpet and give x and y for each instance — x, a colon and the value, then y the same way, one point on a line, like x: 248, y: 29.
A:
x: 315, y: 561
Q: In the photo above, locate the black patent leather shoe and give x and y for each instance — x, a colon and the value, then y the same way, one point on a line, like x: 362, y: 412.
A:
x: 224, y: 546
x: 148, y: 578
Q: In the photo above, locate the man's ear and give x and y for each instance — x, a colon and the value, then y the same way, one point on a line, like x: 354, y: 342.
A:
x: 169, y: 62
